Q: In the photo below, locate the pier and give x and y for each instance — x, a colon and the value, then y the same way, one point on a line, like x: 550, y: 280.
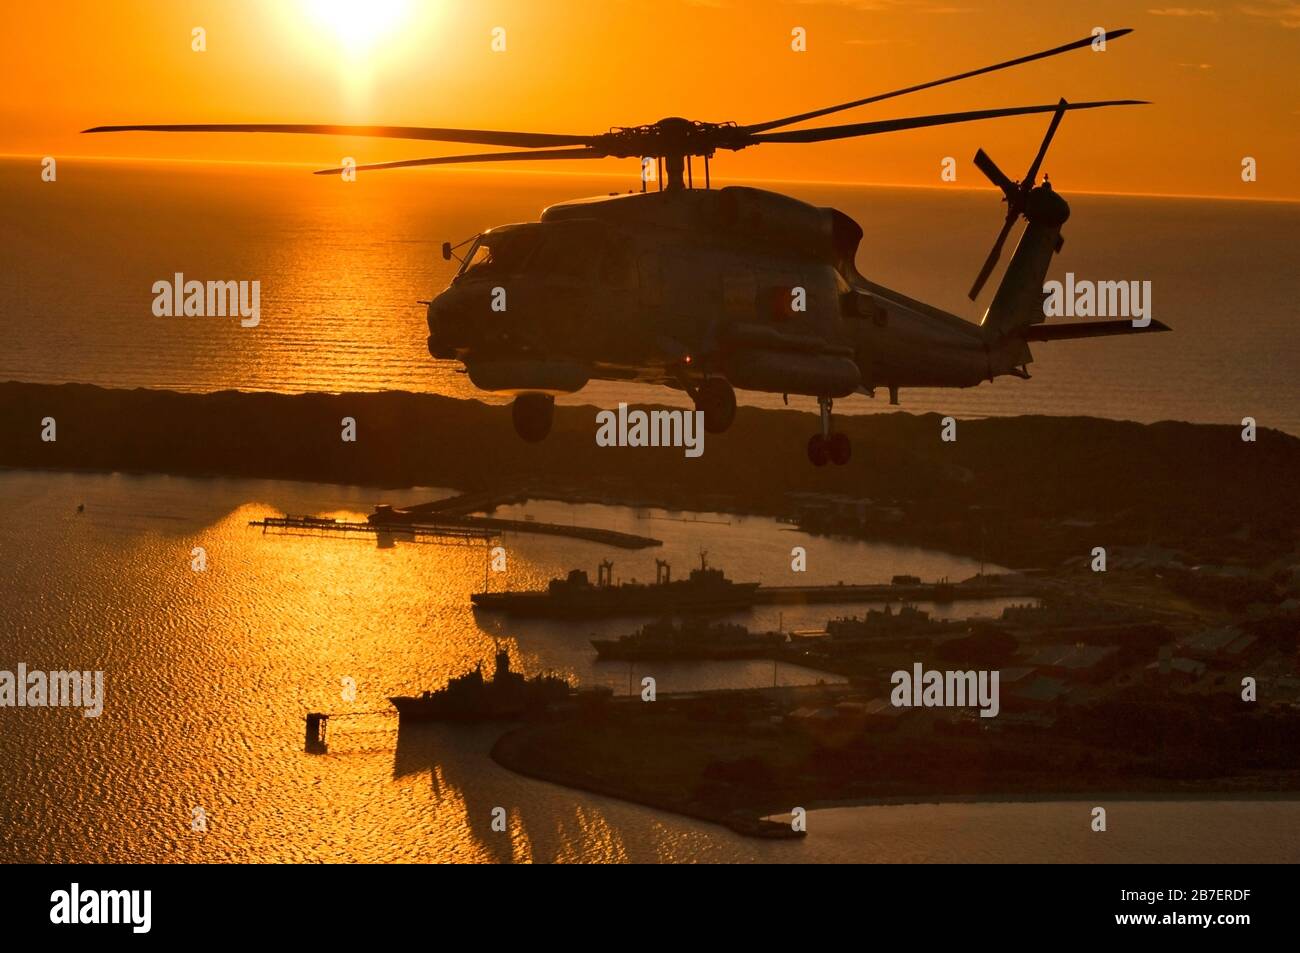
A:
x: 440, y: 533
x: 455, y: 512
x: 445, y: 530
x: 940, y: 593
x: 580, y: 600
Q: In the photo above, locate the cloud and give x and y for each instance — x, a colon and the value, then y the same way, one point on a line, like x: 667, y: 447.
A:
x: 1284, y: 12
x: 1195, y: 65
x: 1184, y: 12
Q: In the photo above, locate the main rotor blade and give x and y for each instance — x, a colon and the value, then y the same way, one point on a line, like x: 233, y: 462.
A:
x: 994, y: 174
x: 991, y: 262
x: 487, y: 137
x: 1076, y: 45
x: 486, y: 157
x: 1047, y: 141
x: 916, y: 122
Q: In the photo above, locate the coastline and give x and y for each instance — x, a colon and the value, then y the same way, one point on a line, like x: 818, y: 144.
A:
x: 1023, y: 491
x: 1082, y: 797
x: 741, y: 759
x: 506, y: 751
x: 510, y: 752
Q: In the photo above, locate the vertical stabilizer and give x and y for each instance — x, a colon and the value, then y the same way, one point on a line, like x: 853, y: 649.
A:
x: 1019, y: 298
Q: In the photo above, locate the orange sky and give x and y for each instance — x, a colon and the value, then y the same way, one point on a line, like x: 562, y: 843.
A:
x: 1222, y: 76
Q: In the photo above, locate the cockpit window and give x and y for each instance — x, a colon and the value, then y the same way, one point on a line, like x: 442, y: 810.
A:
x: 499, y: 254
x: 479, y: 255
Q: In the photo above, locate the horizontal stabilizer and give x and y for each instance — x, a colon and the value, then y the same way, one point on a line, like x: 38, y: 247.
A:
x: 1090, y: 329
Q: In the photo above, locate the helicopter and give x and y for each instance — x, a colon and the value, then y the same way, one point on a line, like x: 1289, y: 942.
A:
x: 713, y: 290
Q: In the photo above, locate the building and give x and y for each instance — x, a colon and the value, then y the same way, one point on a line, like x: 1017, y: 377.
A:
x: 1225, y: 644
x: 1077, y: 662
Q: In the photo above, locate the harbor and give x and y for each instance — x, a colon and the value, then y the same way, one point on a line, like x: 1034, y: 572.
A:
x: 303, y: 612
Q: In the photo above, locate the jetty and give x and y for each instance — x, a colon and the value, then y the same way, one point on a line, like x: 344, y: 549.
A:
x: 451, y: 514
x: 425, y: 525
x: 938, y: 592
x: 710, y: 591
x: 442, y: 533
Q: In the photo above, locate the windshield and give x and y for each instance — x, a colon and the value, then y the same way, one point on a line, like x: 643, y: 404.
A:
x: 569, y: 252
x: 498, y: 254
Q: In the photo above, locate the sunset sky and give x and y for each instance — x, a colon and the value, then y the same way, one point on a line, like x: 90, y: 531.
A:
x: 1224, y: 78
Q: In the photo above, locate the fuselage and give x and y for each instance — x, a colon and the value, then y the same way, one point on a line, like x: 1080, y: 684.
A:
x: 751, y: 285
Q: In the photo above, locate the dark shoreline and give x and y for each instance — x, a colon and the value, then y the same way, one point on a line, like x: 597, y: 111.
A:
x: 508, y: 751
x: 1023, y: 491
x: 555, y: 752
x: 511, y: 751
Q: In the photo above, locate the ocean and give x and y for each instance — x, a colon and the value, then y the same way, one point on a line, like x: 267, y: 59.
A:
x: 342, y: 267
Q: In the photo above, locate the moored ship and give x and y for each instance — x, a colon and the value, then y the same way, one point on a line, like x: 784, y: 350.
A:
x: 705, y: 590
x: 689, y: 640
x: 471, y: 697
x: 883, y: 623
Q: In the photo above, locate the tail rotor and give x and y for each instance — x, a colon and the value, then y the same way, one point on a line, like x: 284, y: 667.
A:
x: 1015, y: 194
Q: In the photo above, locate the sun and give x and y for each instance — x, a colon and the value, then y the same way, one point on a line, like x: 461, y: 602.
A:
x: 357, y: 25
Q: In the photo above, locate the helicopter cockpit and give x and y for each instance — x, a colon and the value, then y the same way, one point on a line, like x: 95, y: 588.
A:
x: 501, y: 251
x: 572, y: 250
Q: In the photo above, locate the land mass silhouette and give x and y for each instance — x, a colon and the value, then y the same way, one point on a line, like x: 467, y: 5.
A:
x: 1019, y: 490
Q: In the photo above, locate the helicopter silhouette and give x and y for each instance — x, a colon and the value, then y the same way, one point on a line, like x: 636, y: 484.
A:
x: 713, y: 290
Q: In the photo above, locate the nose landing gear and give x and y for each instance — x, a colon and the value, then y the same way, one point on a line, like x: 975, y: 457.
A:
x: 715, y: 397
x: 532, y: 415
x: 826, y: 446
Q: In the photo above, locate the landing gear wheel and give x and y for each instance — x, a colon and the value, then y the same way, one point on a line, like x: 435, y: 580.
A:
x: 818, y: 451
x: 839, y: 448
x: 718, y: 401
x: 532, y: 414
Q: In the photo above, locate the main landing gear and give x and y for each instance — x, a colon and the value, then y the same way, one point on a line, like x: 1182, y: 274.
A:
x: 715, y: 397
x: 825, y: 446
x: 532, y: 415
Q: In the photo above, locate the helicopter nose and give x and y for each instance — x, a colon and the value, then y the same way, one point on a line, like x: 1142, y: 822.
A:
x: 445, y: 331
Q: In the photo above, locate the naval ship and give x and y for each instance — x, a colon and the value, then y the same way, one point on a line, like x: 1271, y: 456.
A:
x: 884, y: 623
x: 705, y: 590
x: 471, y: 697
x: 690, y: 640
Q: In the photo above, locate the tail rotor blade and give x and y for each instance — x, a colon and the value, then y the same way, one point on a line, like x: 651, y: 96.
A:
x: 1061, y: 107
x: 993, y: 173
x: 991, y: 262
